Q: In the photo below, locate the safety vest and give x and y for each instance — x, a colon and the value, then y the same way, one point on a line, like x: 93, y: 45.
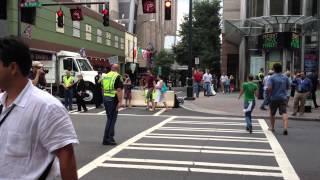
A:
x: 68, y: 81
x: 108, y: 81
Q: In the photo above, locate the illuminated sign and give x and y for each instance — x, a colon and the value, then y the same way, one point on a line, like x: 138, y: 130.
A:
x: 279, y: 40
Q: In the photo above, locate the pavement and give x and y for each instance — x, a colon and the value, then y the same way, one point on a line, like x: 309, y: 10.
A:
x: 183, y: 145
x: 229, y: 105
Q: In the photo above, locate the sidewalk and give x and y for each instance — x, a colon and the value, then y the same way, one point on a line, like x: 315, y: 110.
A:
x: 229, y: 105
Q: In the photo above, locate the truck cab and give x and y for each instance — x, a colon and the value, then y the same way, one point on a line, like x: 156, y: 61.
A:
x: 78, y: 65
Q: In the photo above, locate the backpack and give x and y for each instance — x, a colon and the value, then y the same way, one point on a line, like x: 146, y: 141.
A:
x: 164, y: 88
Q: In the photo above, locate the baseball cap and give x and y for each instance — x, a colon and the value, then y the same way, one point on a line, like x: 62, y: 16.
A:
x: 37, y: 64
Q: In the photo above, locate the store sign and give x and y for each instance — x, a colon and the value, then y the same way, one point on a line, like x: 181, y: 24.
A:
x: 279, y: 40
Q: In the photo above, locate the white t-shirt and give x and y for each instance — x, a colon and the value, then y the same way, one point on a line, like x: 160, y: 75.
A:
x: 223, y: 78
x: 38, y: 125
x: 207, y: 78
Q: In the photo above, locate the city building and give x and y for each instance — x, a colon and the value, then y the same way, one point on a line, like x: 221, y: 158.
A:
x: 270, y: 31
x: 40, y: 30
x: 152, y: 29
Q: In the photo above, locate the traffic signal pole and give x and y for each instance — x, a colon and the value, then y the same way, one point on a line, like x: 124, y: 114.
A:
x: 19, y: 19
x: 189, y: 78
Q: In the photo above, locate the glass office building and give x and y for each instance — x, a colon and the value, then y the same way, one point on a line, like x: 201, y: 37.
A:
x: 270, y: 31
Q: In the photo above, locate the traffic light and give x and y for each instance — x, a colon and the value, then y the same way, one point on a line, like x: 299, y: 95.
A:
x: 167, y: 11
x: 105, y: 13
x: 60, y: 18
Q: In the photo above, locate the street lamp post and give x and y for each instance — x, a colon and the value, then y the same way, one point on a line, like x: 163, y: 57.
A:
x: 189, y: 78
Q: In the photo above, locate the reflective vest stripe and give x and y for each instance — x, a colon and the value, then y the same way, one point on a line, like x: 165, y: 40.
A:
x: 68, y: 81
x: 108, y: 83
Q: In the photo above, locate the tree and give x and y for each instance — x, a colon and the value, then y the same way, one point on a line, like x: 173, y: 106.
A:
x: 163, y: 59
x: 205, y: 38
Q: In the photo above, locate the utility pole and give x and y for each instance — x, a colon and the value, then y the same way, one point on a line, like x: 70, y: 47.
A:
x: 189, y: 78
x: 19, y: 18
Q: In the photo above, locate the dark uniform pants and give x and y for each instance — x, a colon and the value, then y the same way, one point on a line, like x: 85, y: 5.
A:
x: 110, y: 105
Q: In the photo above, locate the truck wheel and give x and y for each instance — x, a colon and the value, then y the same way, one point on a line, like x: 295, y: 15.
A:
x: 90, y: 93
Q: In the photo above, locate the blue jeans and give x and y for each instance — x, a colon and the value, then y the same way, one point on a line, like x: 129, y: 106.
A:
x: 227, y: 88
x: 207, y: 87
x: 248, y: 115
x: 110, y: 105
x: 266, y: 100
x: 68, y: 94
x: 196, y: 88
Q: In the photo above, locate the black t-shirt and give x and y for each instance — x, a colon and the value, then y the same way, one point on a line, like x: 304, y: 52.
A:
x: 118, y: 83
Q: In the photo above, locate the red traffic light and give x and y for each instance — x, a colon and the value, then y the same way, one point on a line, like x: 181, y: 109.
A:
x: 76, y: 14
x: 105, y: 12
x: 59, y: 13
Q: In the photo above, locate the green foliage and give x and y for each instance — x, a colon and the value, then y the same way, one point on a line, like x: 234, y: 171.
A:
x: 205, y: 36
x: 163, y: 59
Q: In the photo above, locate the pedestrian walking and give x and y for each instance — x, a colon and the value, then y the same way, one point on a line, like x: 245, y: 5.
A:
x: 249, y: 89
x: 207, y: 80
x: 260, y: 78
x: 197, y: 78
x: 67, y: 82
x: 81, y: 93
x: 288, y: 74
x: 227, y: 85
x: 303, y: 88
x: 223, y: 80
x: 161, y: 90
x: 37, y: 134
x: 98, y: 99
x: 150, y: 90
x: 112, y: 87
x: 314, y: 80
x: 278, y: 86
x: 127, y: 90
x: 266, y: 96
x: 232, y: 83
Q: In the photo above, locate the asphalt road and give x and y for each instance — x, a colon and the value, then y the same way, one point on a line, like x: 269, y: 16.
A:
x: 180, y: 144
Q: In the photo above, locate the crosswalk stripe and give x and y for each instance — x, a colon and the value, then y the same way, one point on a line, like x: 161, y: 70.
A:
x: 186, y: 169
x: 206, y: 136
x: 209, y: 130
x: 202, y: 147
x: 159, y: 112
x: 207, y: 139
x: 193, y: 163
x: 214, y: 123
x: 200, y: 151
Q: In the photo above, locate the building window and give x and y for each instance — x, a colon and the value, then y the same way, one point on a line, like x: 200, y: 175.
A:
x: 116, y: 41
x: 88, y: 32
x: 99, y: 36
x: 254, y: 8
x: 76, y: 29
x: 276, y: 7
x: 122, y: 43
x: 3, y: 9
x: 108, y: 39
x: 315, y: 8
x: 294, y: 7
x: 28, y: 15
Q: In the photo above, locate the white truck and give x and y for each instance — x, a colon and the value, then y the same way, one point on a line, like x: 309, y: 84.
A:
x: 66, y: 60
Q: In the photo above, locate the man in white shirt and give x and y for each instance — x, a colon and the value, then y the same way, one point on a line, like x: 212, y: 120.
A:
x: 207, y: 80
x: 36, y: 133
x: 266, y: 97
x: 223, y: 80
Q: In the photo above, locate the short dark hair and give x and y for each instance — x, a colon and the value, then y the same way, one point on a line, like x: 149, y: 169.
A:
x: 14, y: 50
x: 250, y: 77
x: 277, y: 67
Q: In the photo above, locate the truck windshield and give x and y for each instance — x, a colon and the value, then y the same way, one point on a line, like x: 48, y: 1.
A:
x: 84, y: 65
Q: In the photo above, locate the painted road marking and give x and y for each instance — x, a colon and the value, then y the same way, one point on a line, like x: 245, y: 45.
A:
x: 76, y: 112
x: 194, y: 163
x: 213, y: 123
x: 159, y: 112
x: 207, y: 139
x: 202, y: 147
x: 288, y: 171
x: 200, y: 151
x: 207, y: 130
x: 187, y: 169
x: 98, y: 161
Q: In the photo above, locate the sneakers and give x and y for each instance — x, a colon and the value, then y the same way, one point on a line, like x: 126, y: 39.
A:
x: 294, y: 114
x: 285, y: 132
x: 263, y: 108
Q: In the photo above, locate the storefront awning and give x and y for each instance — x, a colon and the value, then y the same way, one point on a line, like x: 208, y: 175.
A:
x: 235, y: 29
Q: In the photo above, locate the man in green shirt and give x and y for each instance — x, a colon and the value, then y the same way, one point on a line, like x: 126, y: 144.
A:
x: 249, y: 89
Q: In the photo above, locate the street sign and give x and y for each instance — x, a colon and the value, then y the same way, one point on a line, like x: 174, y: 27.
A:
x: 31, y: 4
x: 196, y: 60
